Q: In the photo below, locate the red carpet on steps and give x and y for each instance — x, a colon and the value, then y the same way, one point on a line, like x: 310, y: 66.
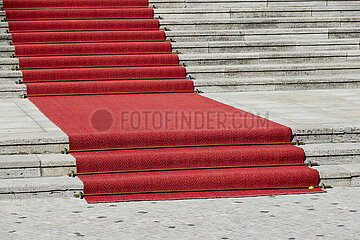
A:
x: 33, y: 50
x: 40, y: 14
x: 191, y: 119
x: 103, y: 72
x: 8, y: 4
x: 148, y: 85
x: 97, y: 61
x: 86, y: 36
x: 99, y: 25
x: 187, y: 157
x: 46, y: 75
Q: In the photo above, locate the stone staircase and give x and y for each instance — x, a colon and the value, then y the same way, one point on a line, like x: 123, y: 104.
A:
x: 298, y: 60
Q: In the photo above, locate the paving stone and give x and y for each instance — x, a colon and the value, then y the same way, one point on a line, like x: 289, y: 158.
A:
x: 331, y: 215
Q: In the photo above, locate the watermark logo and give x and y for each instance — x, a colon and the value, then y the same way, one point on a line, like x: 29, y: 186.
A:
x: 102, y: 120
x: 190, y: 120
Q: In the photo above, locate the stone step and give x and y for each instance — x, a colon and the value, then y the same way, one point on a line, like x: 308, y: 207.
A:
x: 5, y: 39
x: 347, y: 175
x: 255, y: 12
x: 243, y: 58
x: 40, y: 187
x: 315, y: 34
x: 265, y: 35
x: 10, y: 76
x: 272, y: 77
x: 24, y: 129
x: 333, y: 153
x: 268, y: 58
x: 277, y: 83
x: 39, y: 165
x: 248, y: 3
x: 9, y: 64
x: 244, y: 3
x: 244, y: 46
x: 260, y: 23
x: 260, y: 12
x: 52, y: 165
x: 12, y: 90
x: 337, y: 176
x: 249, y: 23
x: 272, y: 70
x: 266, y: 46
x: 315, y: 116
x: 6, y: 51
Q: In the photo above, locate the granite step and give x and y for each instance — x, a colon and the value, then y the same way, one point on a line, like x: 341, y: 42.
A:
x: 277, y: 83
x: 7, y: 63
x: 36, y: 165
x: 259, y: 12
x: 248, y: 3
x: 295, y: 34
x: 266, y: 46
x: 52, y: 165
x: 272, y: 70
x: 40, y: 187
x: 264, y: 35
x: 269, y: 58
x: 336, y: 176
x: 256, y: 12
x: 260, y: 23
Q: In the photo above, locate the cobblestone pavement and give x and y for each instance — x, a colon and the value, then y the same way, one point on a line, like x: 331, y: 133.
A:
x: 333, y: 215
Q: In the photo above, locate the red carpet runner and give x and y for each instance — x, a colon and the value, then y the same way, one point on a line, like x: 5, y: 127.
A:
x: 104, y: 73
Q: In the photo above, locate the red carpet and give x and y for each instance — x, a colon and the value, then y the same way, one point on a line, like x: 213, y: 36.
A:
x: 85, y: 36
x: 191, y: 119
x: 107, y: 77
x: 40, y: 14
x: 71, y: 25
x: 8, y: 4
x: 34, y: 50
x: 98, y: 61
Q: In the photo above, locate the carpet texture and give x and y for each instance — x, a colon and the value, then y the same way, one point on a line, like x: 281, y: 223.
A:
x: 79, y: 13
x: 103, y: 72
x: 92, y: 48
x: 85, y: 36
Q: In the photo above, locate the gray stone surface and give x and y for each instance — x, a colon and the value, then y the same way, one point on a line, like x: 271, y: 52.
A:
x: 260, y: 23
x: 346, y: 175
x: 314, y: 115
x: 32, y: 165
x: 178, y: 13
x: 331, y: 215
x: 266, y: 46
x: 40, y: 186
x: 24, y: 129
x: 246, y: 3
x: 333, y: 153
x: 16, y: 161
x: 277, y: 83
x: 312, y: 112
x: 273, y: 70
x: 56, y: 164
x: 44, y: 182
x: 263, y: 34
